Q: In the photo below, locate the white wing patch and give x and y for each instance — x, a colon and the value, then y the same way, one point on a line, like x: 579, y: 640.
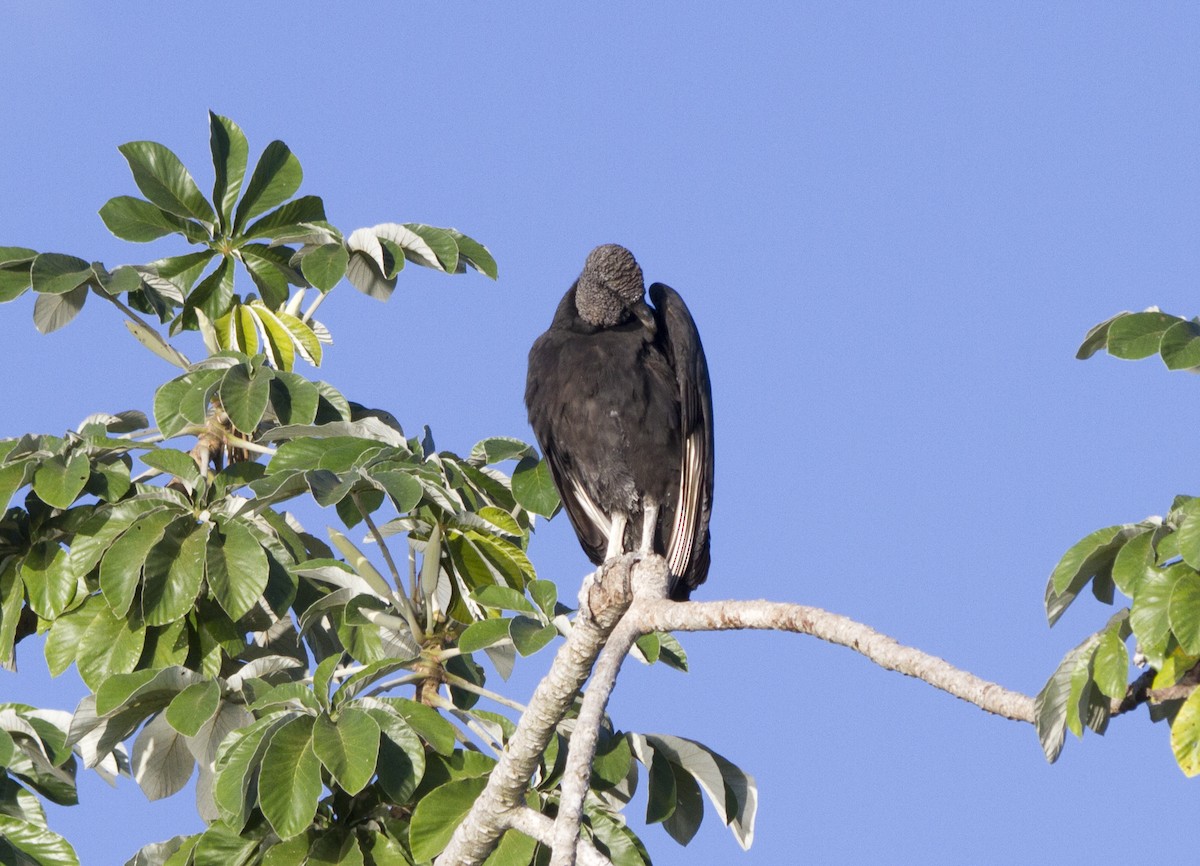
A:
x: 687, y: 509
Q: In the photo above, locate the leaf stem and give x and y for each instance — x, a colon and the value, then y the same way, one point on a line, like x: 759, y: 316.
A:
x: 468, y: 686
x: 404, y: 602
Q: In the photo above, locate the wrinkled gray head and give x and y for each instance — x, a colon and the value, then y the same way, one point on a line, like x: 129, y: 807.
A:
x: 610, y: 284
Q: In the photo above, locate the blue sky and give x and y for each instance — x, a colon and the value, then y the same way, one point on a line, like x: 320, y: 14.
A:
x: 893, y: 223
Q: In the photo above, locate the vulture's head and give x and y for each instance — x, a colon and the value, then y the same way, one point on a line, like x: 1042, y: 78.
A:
x: 611, y: 287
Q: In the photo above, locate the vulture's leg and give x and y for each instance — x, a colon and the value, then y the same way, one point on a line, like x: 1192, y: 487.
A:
x: 649, y: 524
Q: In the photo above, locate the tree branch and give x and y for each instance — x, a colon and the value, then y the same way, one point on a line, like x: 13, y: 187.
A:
x: 653, y: 615
x: 478, y: 833
x: 538, y: 826
x: 649, y: 582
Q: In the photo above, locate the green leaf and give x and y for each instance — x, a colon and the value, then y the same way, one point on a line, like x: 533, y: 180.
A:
x: 24, y: 843
x: 473, y: 253
x: 174, y: 462
x: 191, y: 709
x: 121, y: 567
x: 529, y: 635
x: 220, y: 847
x: 440, y: 241
x: 236, y: 568
x: 533, y: 487
x: 110, y: 645
x: 483, y: 633
x: 438, y: 815
x: 1185, y: 735
x: 294, y: 399
x: 230, y: 153
x: 503, y: 598
x: 307, y: 343
x: 661, y: 795
x: 1097, y: 338
x: 365, y: 265
x: 238, y: 761
x: 348, y: 747
x: 48, y: 580
x: 290, y: 779
x: 137, y: 220
x: 59, y: 481
x: 174, y: 571
x: 1110, y: 665
x: 163, y: 179
x: 685, y: 819
x: 1138, y: 335
x: 1180, y: 346
x: 57, y: 274
x: 427, y: 722
x: 404, y: 489
x: 65, y: 635
x: 1133, y: 562
x: 277, y: 176
x: 298, y: 212
x: 214, y: 295
x: 515, y: 849
x: 54, y: 311
x: 272, y: 272
x: 1149, y: 616
x: 1183, y: 610
x: 244, y: 395
x: 280, y: 349
x: 324, y: 266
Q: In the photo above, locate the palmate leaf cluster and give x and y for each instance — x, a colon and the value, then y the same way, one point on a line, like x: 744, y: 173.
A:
x: 1154, y: 564
x: 325, y: 691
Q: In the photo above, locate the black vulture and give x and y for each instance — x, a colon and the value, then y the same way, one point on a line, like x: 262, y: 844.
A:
x: 619, y: 400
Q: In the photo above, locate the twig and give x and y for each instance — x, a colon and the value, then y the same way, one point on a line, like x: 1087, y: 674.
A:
x: 540, y: 827
x: 468, y: 686
x: 405, y: 605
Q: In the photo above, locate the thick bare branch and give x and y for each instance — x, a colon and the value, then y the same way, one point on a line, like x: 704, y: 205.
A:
x: 834, y: 628
x: 540, y: 827
x: 608, y: 597
x: 649, y: 582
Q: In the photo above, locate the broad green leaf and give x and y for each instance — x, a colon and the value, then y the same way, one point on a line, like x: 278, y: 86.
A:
x: 163, y: 179
x: 177, y: 402
x: 51, y: 312
x: 1097, y: 338
x: 1089, y: 556
x: 611, y: 763
x: 1138, y: 335
x: 515, y: 849
x: 529, y: 635
x: 193, y: 707
x: 173, y: 462
x: 290, y: 779
x: 473, y: 253
x: 1183, y: 609
x: 438, y: 815
x: 1188, y: 532
x: 230, y: 153
x: 504, y: 598
x: 1149, y: 615
x: 533, y: 487
x: 179, y: 272
x: 276, y: 177
x: 1185, y: 735
x: 121, y: 567
x: 66, y: 634
x: 324, y: 266
x: 175, y: 571
x: 236, y: 568
x: 15, y: 281
x: 110, y: 645
x: 1133, y: 561
x: 298, y: 212
x: 348, y: 747
x: 161, y: 761
x: 237, y: 765
x: 58, y: 481
x: 364, y: 267
x: 244, y: 395
x: 57, y: 274
x: 1180, y: 346
x: 427, y: 722
x: 48, y: 581
x: 405, y: 490
x: 137, y: 220
x: 12, y: 478
x: 220, y: 846
x: 440, y: 241
x: 661, y: 795
x: 214, y: 294
x: 410, y: 244
x: 1110, y: 665
x: 618, y: 840
x: 685, y: 818
x: 279, y: 346
x: 23, y: 843
x: 293, y: 398
x: 308, y: 345
x: 497, y: 449
x: 271, y: 271
x: 401, y: 762
x: 483, y: 633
